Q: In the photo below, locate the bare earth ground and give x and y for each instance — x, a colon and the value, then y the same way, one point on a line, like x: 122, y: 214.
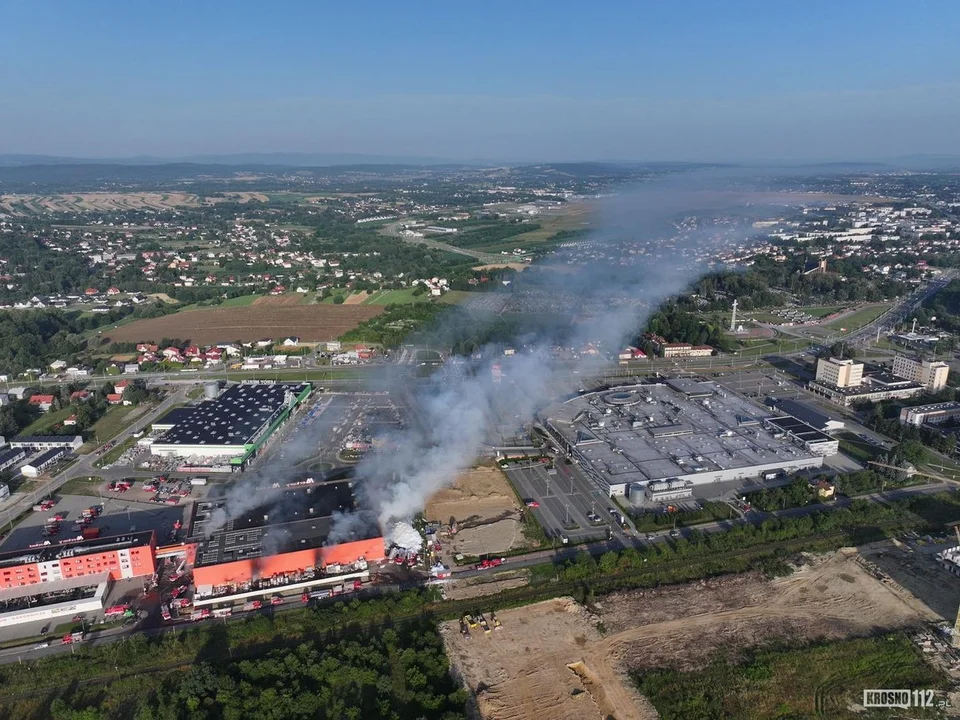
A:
x: 357, y: 298
x: 164, y: 297
x: 103, y: 201
x: 206, y: 326
x: 520, y: 267
x: 486, y: 510
x: 523, y: 670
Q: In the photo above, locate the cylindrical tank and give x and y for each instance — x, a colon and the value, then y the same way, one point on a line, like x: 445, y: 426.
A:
x: 211, y: 390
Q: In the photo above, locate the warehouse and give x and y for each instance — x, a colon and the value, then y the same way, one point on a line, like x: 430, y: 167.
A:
x: 684, y: 430
x: 235, y: 425
x: 812, y: 416
x: 282, y: 542
x: 63, y: 598
x: 804, y: 435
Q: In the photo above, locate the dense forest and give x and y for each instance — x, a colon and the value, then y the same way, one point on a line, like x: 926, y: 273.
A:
x: 397, y: 673
x: 33, y: 338
x: 678, y: 326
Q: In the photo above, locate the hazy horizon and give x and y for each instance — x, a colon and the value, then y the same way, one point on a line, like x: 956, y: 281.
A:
x: 690, y: 82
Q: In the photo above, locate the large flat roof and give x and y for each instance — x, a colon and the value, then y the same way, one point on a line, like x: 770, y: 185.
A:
x: 657, y: 431
x: 800, y: 429
x: 235, y: 418
x: 288, y: 519
x: 56, y: 550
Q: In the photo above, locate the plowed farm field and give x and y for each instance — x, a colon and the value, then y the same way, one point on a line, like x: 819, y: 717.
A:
x: 311, y: 323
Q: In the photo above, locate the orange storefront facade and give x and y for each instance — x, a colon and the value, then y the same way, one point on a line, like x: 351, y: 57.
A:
x: 241, y: 571
x: 121, y: 559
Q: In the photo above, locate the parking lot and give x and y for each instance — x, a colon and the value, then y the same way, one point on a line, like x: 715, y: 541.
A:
x: 566, y: 500
x: 118, y: 516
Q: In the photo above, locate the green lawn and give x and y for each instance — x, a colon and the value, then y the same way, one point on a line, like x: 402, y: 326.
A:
x: 819, y: 312
x: 859, y: 318
x: 81, y: 486
x: 858, y: 449
x: 394, y: 297
x: 823, y: 680
x: 112, y: 422
x: 242, y: 301
x: 46, y: 421
x: 457, y: 297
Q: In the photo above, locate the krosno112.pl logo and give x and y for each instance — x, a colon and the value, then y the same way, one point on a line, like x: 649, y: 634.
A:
x: 903, y: 699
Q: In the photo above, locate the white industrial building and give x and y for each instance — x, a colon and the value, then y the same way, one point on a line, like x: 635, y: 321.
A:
x: 676, y: 430
x: 930, y: 414
x: 60, y: 598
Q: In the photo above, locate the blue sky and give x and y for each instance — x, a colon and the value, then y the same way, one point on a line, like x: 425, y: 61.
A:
x: 694, y: 80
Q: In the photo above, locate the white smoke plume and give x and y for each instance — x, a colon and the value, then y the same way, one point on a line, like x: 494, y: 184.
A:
x: 619, y: 289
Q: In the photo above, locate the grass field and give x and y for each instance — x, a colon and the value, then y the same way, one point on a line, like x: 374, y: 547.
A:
x: 46, y: 421
x: 112, y: 422
x: 81, y: 486
x: 858, y: 449
x: 456, y: 297
x: 394, y: 297
x: 265, y: 318
x: 242, y: 301
x: 859, y: 318
x: 818, y: 681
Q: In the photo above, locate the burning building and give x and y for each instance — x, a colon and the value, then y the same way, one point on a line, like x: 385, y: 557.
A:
x: 282, y: 543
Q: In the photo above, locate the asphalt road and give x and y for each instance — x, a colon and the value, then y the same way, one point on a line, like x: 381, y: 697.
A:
x: 558, y: 554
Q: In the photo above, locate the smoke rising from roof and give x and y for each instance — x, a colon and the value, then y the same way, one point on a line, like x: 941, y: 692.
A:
x: 638, y: 259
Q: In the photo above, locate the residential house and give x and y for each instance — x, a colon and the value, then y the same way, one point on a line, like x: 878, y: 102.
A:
x: 291, y: 341
x: 80, y: 396
x: 44, y: 402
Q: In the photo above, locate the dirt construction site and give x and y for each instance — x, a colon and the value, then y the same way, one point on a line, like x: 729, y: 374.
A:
x: 551, y: 660
x: 486, y: 511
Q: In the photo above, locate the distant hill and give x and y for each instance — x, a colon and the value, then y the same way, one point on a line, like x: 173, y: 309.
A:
x: 247, y: 159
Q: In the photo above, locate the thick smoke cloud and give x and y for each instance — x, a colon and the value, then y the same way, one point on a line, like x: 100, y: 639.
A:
x: 639, y: 259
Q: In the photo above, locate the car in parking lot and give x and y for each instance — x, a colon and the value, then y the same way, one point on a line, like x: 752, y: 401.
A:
x: 531, y: 503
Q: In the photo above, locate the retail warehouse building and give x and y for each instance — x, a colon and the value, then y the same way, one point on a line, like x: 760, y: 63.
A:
x: 232, y: 427
x: 641, y: 437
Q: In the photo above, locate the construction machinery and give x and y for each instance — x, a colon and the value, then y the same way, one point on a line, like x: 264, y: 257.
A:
x: 497, y: 625
x: 484, y: 624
